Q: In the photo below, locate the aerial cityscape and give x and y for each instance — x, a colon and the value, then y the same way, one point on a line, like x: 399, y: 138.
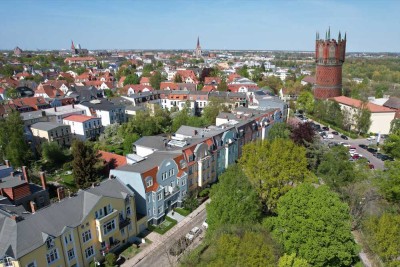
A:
x: 199, y: 133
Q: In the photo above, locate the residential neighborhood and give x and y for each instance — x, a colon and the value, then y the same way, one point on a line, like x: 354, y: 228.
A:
x: 198, y: 156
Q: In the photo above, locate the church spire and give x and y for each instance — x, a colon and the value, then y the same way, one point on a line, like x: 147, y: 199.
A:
x: 340, y: 36
x: 72, y: 45
x: 345, y: 36
x: 198, y: 41
x: 329, y: 33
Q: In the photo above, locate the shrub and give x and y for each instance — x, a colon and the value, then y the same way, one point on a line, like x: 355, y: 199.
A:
x: 111, y: 259
x: 204, y: 192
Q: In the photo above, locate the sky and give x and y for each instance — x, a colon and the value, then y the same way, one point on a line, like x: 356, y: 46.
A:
x: 371, y: 26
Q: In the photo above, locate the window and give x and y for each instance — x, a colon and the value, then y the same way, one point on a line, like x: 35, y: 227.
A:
x: 160, y: 209
x: 108, y: 227
x: 89, y: 252
x: 32, y: 264
x: 159, y: 196
x: 68, y: 238
x: 109, y: 208
x: 148, y: 212
x: 86, y: 236
x: 49, y: 243
x: 149, y: 198
x: 128, y: 211
x: 103, y: 245
x: 122, y: 231
x: 71, y: 254
x: 52, y: 256
x: 183, y: 181
x: 149, y: 182
x: 8, y: 262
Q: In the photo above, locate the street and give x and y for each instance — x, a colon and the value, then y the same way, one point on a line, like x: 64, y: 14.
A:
x: 157, y: 253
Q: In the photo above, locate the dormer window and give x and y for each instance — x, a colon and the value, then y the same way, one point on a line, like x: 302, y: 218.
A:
x: 149, y: 181
x: 50, y: 243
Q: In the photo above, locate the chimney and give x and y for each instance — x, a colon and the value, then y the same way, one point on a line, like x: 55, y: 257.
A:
x: 12, y: 174
x: 20, y: 178
x: 43, y: 180
x: 33, y: 207
x: 55, y: 109
x: 60, y: 193
x: 73, y: 105
x: 7, y: 162
x: 25, y: 172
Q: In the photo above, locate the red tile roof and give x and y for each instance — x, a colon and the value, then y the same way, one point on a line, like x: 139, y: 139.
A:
x: 208, y: 88
x: 358, y: 103
x: 233, y: 76
x: 145, y: 80
x: 309, y: 79
x: 212, y: 80
x: 187, y: 74
x: 235, y: 87
x: 137, y: 88
x: 49, y: 90
x: 168, y: 85
x: 34, y: 102
x: 79, y: 118
x: 117, y: 160
x: 78, y: 59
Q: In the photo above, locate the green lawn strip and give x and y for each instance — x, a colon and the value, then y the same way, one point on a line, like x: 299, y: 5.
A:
x: 164, y: 226
x: 183, y: 212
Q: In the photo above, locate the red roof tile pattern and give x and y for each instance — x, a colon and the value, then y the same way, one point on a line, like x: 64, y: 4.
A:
x: 358, y: 103
x: 116, y: 160
x: 79, y: 118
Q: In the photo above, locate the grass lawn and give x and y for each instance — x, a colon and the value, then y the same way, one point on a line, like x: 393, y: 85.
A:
x: 130, y: 251
x: 164, y: 226
x: 183, y: 212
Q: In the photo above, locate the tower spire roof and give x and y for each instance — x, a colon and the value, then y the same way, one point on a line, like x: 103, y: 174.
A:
x: 340, y: 36
x: 198, y: 41
x: 329, y: 33
x: 72, y: 45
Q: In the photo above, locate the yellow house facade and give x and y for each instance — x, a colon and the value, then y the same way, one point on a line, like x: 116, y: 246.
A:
x: 75, y: 231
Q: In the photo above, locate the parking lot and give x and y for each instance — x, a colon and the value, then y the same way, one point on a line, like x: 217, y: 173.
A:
x: 337, y: 138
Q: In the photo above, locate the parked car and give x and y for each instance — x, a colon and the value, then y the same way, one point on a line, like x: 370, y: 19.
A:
x: 335, y: 133
x: 325, y: 128
x: 371, y: 138
x: 193, y: 233
x: 205, y: 224
x: 372, y: 150
x: 329, y: 136
x: 344, y: 137
x: 363, y: 146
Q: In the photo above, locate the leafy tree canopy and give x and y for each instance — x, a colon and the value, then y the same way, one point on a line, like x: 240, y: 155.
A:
x: 279, y: 130
x: 274, y: 167
x: 313, y: 223
x: 233, y: 200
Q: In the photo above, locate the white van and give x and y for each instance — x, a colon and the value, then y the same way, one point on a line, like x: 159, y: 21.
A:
x: 329, y: 136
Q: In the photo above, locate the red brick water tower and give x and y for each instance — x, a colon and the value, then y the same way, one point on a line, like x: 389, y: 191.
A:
x: 329, y: 57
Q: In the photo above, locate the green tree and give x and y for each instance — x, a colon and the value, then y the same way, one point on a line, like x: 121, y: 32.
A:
x: 392, y: 145
x: 147, y: 69
x: 273, y: 168
x: 315, y: 225
x: 132, y: 79
x: 178, y: 78
x: 222, y: 86
x: 54, y: 154
x: 383, y: 233
x: 110, y: 260
x: 243, y: 248
x: 84, y: 163
x: 388, y: 181
x: 278, y: 130
x: 292, y: 261
x: 211, y: 111
x: 12, y: 142
x: 305, y: 101
x: 335, y: 169
x: 128, y: 142
x: 243, y: 71
x: 190, y: 202
x: 155, y: 80
x: 362, y: 119
x: 395, y: 126
x: 273, y: 82
x: 233, y: 200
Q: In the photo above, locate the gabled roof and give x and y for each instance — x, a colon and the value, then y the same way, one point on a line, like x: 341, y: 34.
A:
x: 46, y: 126
x: 393, y: 102
x: 19, y: 238
x: 116, y: 159
x: 358, y: 104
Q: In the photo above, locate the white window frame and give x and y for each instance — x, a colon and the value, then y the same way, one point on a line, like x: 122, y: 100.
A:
x: 106, y: 226
x: 30, y: 264
x: 86, y: 236
x: 72, y: 256
x: 159, y: 196
x: 54, y: 253
x: 149, y: 181
x: 87, y: 250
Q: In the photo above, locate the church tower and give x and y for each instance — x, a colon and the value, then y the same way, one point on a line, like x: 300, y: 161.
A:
x: 329, y: 57
x: 197, y: 52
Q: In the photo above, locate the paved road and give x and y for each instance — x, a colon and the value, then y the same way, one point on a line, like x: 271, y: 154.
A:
x: 157, y: 253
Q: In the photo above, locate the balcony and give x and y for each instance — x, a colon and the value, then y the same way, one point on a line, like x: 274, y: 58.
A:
x: 124, y: 222
x: 169, y: 194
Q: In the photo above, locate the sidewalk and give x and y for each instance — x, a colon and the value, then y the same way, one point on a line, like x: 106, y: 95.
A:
x: 158, y: 239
